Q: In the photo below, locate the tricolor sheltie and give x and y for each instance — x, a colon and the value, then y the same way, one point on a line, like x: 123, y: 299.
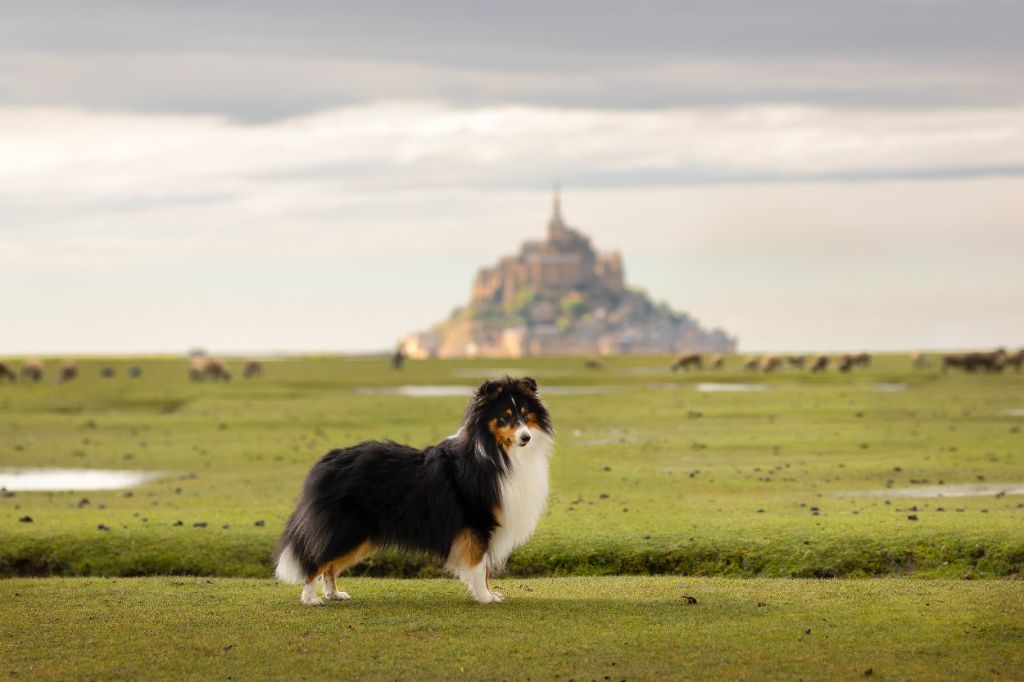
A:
x: 469, y: 500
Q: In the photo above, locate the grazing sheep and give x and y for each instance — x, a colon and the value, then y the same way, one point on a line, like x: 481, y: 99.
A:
x: 398, y: 358
x: 862, y: 360
x: 7, y: 372
x: 216, y: 370
x: 107, y: 372
x: 135, y: 371
x: 32, y: 370
x: 752, y: 364
x: 770, y: 363
x: 253, y: 369
x: 820, y: 364
x: 954, y: 360
x: 197, y: 368
x: 845, y: 362
x: 688, y: 360
x: 1015, y: 359
x: 796, y: 361
x: 918, y: 360
x: 717, y: 361
x: 592, y: 363
x: 67, y: 371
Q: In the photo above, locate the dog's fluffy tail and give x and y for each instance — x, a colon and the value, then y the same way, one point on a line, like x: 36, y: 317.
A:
x: 288, y: 568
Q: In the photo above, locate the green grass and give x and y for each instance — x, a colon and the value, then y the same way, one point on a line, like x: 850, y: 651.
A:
x: 563, y: 628
x: 649, y: 475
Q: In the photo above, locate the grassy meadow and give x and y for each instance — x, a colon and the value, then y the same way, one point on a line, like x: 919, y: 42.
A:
x: 804, y: 478
x: 725, y: 496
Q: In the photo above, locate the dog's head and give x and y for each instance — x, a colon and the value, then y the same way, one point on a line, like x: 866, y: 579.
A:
x: 509, y: 412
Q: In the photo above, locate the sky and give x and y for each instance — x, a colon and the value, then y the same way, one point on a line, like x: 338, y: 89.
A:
x: 325, y: 176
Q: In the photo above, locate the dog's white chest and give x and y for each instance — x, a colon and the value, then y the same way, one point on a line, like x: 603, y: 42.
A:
x: 524, y: 494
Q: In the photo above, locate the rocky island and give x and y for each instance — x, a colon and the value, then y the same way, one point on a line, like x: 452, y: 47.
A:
x: 560, y: 296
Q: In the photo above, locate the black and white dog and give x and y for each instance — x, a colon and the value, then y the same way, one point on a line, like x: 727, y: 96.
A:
x: 470, y: 500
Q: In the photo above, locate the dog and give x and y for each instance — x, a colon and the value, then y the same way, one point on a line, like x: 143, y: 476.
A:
x: 469, y: 500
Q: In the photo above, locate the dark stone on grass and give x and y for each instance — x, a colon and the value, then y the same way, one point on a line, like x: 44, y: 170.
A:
x: 912, y: 517
x: 869, y: 672
x: 199, y: 524
x: 179, y: 522
x: 102, y: 526
x: 260, y: 523
x: 25, y: 519
x: 760, y: 604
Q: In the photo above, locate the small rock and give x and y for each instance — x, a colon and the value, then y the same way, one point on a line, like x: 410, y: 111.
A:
x: 25, y: 519
x: 912, y: 517
x: 103, y: 526
x: 179, y: 522
x: 199, y: 524
x: 260, y: 522
x: 869, y: 672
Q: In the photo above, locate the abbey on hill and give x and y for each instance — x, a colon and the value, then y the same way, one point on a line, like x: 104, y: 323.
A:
x: 560, y: 296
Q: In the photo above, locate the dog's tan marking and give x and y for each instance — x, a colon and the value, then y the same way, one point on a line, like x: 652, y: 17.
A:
x: 467, y: 550
x: 332, y: 568
x: 504, y: 435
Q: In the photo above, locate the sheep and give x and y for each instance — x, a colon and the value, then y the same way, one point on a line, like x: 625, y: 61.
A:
x: 197, y: 368
x: 107, y: 372
x: 67, y: 371
x: 862, y: 360
x: 398, y: 358
x: 820, y: 364
x: 7, y: 372
x: 253, y: 369
x: 770, y: 363
x: 954, y: 360
x: 918, y: 360
x: 796, y: 361
x: 216, y: 370
x: 135, y: 371
x: 1015, y: 359
x: 846, y: 362
x: 32, y: 370
x: 717, y: 361
x: 752, y: 364
x: 592, y: 363
x: 688, y: 360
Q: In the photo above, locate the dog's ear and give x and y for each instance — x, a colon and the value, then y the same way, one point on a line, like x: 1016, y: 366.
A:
x: 489, y: 390
x: 529, y: 384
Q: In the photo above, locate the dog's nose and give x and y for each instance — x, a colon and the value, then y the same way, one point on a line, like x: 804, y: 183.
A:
x: 524, y: 439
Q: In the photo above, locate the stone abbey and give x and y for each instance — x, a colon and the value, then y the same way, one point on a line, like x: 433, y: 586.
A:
x: 560, y: 296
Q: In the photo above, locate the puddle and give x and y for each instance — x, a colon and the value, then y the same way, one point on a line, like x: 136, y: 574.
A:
x: 889, y: 388
x: 1015, y: 412
x: 731, y: 388
x: 28, y: 479
x: 967, y: 490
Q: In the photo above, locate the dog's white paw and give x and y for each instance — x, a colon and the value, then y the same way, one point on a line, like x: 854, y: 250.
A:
x: 339, y: 595
x: 498, y: 596
x: 313, y: 601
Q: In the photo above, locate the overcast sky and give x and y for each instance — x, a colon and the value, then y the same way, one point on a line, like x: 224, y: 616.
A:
x: 309, y: 176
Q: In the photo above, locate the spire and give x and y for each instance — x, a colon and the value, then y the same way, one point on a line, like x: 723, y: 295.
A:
x: 556, y: 226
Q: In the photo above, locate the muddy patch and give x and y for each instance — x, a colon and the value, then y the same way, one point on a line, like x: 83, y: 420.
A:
x: 30, y: 479
x: 965, y: 490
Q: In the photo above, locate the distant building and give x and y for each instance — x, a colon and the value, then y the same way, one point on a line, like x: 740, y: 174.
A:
x: 560, y: 296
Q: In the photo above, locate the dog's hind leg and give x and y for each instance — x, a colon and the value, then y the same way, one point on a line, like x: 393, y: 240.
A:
x: 309, y: 596
x: 331, y: 569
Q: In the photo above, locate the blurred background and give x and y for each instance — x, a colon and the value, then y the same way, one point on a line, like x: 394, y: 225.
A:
x: 313, y: 176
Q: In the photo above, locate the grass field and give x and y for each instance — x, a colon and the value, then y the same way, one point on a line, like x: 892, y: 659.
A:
x: 802, y: 476
x: 650, y: 474
x: 550, y: 628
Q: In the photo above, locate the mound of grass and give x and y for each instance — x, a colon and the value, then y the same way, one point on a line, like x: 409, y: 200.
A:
x: 650, y: 475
